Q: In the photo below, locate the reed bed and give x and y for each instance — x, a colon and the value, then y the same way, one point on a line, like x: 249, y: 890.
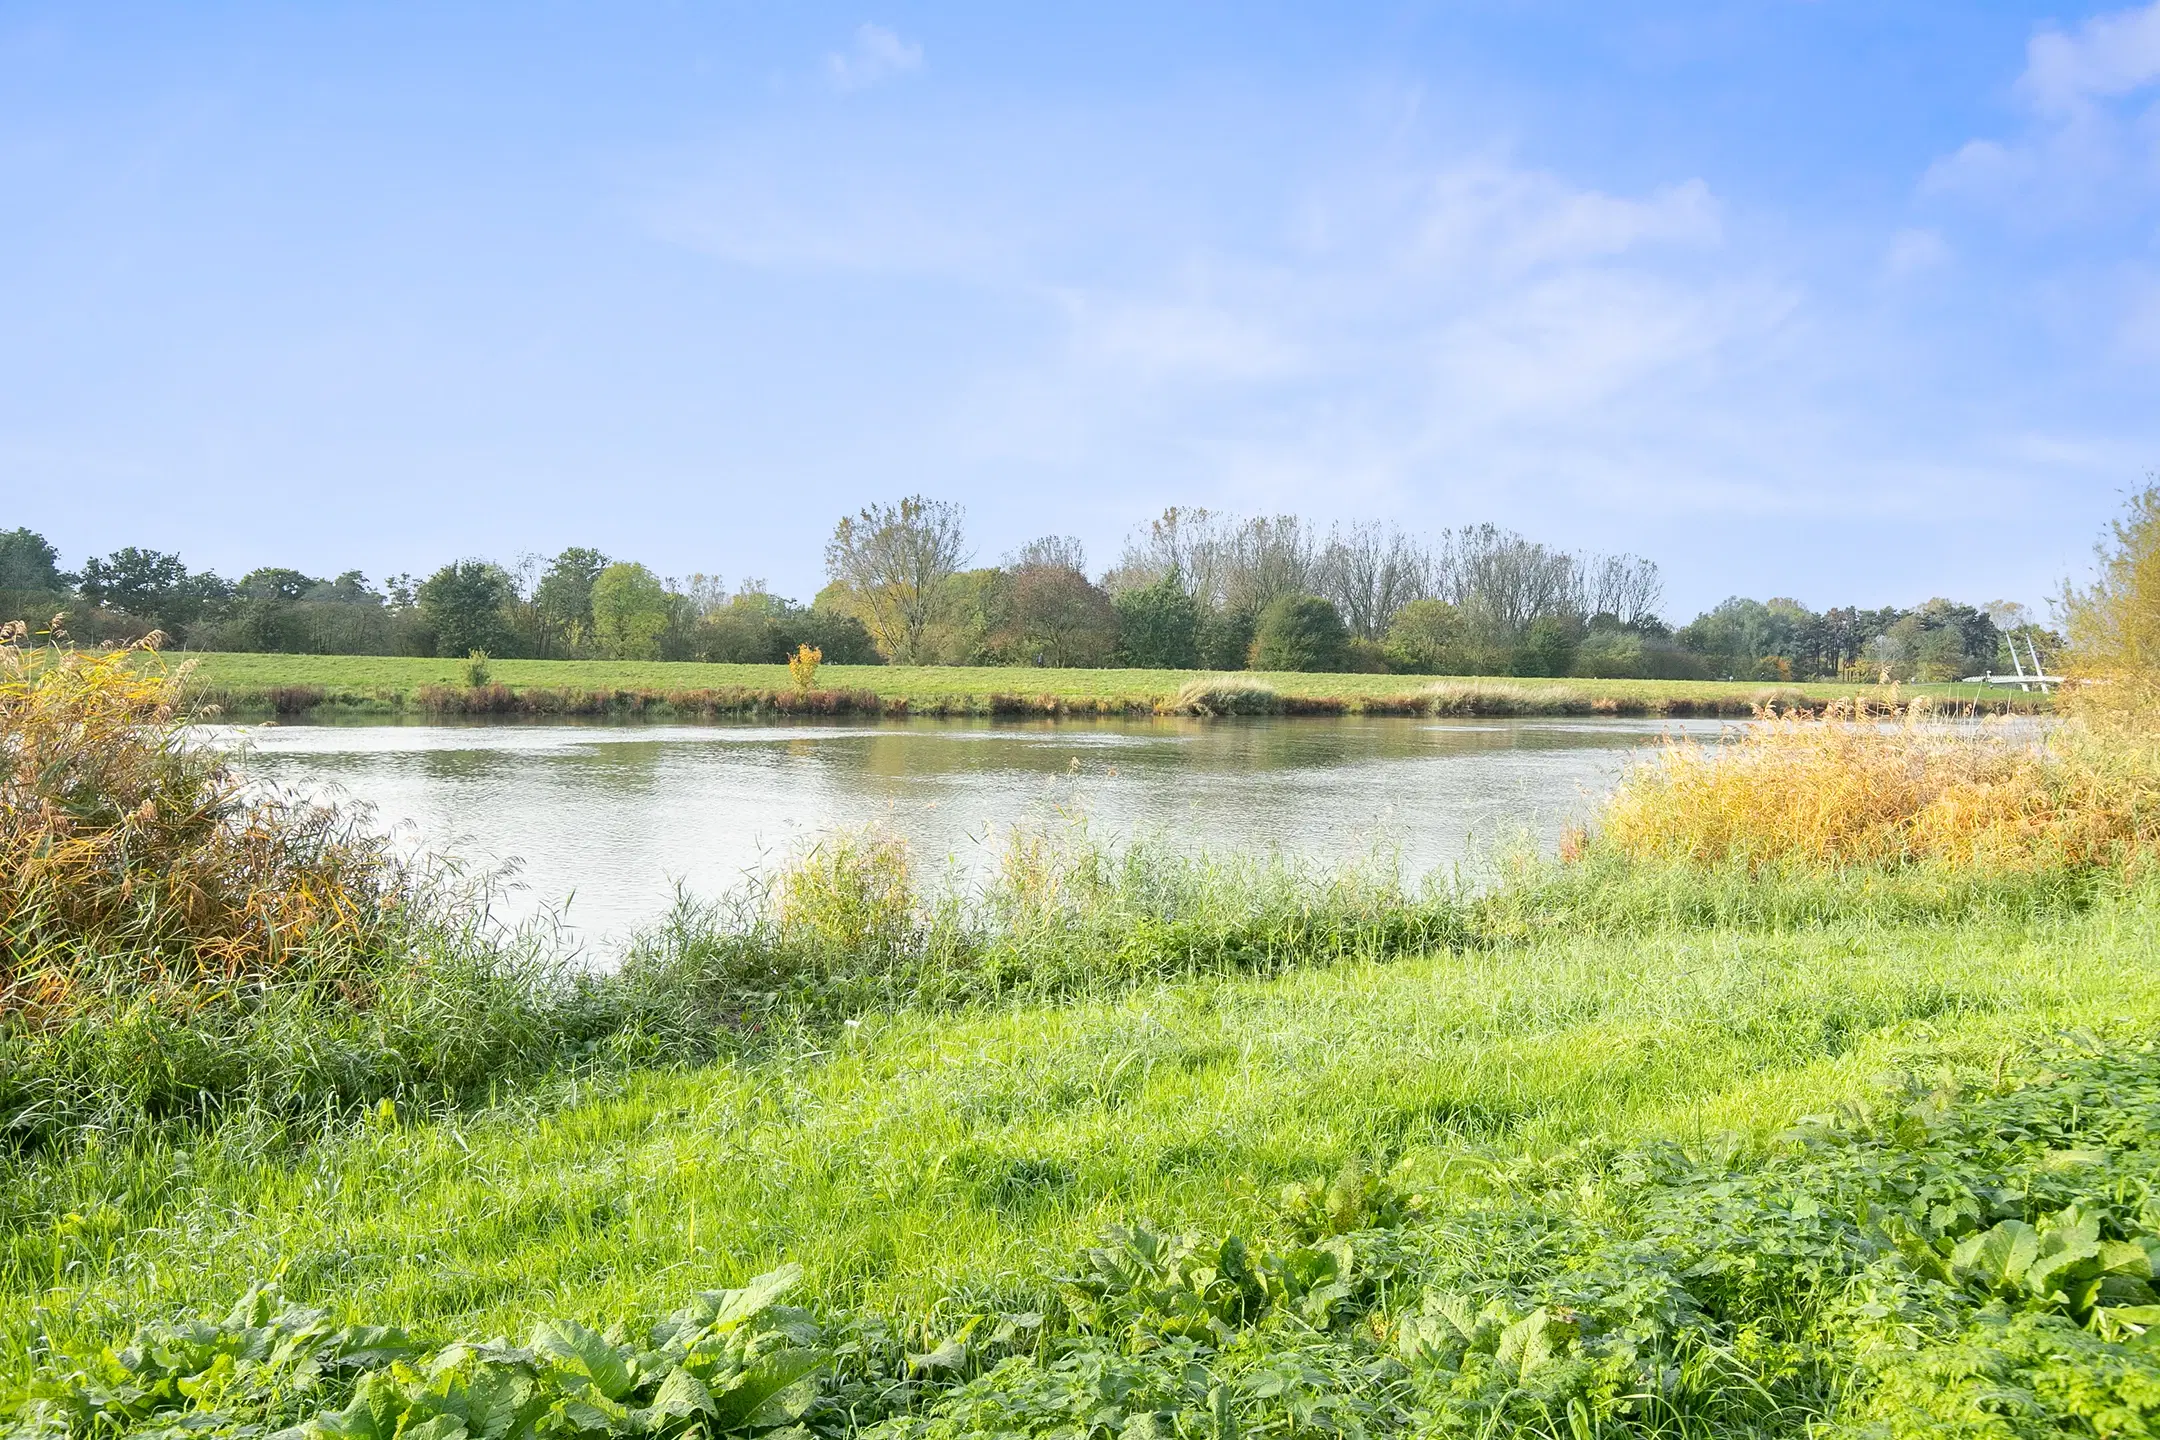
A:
x: 1851, y: 792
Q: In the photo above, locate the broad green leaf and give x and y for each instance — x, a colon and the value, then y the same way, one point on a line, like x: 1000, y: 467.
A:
x: 439, y: 1427
x: 682, y: 1395
x: 584, y: 1352
x: 763, y: 1381
x: 2000, y: 1256
x: 737, y: 1306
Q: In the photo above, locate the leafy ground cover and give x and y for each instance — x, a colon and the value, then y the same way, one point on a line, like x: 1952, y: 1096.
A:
x: 249, y: 683
x: 1583, y: 1143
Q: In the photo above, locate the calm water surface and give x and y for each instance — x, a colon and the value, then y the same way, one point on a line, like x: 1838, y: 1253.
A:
x: 607, y: 819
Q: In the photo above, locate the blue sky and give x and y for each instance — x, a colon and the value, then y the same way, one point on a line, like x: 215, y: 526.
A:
x: 1837, y: 300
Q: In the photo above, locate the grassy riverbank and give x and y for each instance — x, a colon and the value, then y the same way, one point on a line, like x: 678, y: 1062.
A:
x: 924, y: 1169
x: 247, y: 684
x: 1755, y: 1114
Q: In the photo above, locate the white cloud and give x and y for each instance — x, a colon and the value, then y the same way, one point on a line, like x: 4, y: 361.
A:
x: 1515, y: 220
x: 1914, y: 250
x: 878, y: 54
x: 2108, y: 55
x: 2082, y: 152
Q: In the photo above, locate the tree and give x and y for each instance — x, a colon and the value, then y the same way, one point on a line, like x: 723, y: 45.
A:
x: 1428, y: 637
x: 631, y: 610
x: 275, y: 583
x: 1158, y: 625
x: 2113, y: 624
x: 29, y: 562
x: 1548, y: 646
x: 466, y: 605
x: 1062, y: 550
x: 564, y: 595
x: 1055, y: 616
x: 894, y: 561
x: 1300, y: 632
x: 1370, y: 574
x: 1626, y: 587
x: 150, y: 584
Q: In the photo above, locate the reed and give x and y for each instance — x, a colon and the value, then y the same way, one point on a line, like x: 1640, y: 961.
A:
x: 1852, y: 792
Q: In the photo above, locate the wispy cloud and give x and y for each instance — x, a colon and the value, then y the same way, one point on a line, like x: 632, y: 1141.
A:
x: 2107, y: 56
x: 2085, y: 148
x: 1914, y: 249
x: 877, y: 55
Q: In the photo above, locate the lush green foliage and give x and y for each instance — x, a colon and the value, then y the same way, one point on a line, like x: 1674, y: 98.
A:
x: 1969, y: 1254
x: 1300, y: 632
x: 465, y: 606
x: 1158, y: 626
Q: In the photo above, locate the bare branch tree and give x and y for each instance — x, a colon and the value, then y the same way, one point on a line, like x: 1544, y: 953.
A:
x: 1060, y: 551
x: 894, y: 560
x: 1626, y: 587
x: 1370, y: 573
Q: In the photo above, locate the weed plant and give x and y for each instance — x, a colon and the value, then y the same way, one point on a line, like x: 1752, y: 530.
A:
x: 1969, y: 1253
x: 850, y: 928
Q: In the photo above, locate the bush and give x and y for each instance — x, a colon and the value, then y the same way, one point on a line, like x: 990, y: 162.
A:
x: 1428, y: 637
x: 1158, y: 626
x: 1224, y: 695
x: 175, y: 942
x: 1224, y: 640
x: 1547, y: 647
x: 1300, y: 632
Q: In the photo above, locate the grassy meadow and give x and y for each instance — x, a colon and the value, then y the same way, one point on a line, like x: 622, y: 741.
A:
x: 1814, y: 1093
x: 257, y: 683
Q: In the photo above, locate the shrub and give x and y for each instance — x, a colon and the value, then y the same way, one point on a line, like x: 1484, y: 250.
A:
x: 1547, y: 647
x: 1158, y: 626
x: 172, y: 942
x: 802, y: 667
x: 1428, y: 637
x: 131, y: 857
x: 1224, y: 695
x: 1300, y: 632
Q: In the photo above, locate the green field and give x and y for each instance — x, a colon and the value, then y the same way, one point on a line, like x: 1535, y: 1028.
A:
x: 255, y: 682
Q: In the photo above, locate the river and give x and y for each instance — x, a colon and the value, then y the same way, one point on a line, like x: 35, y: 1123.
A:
x: 601, y: 822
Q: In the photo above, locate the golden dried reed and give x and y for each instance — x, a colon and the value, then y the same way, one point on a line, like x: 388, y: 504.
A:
x: 1855, y: 792
x: 131, y: 856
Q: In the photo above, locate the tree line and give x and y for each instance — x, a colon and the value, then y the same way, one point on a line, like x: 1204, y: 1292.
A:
x: 1192, y: 589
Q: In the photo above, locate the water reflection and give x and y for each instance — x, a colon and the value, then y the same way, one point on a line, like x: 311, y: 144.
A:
x: 616, y: 815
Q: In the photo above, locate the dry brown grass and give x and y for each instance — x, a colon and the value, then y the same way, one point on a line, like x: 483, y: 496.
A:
x: 1855, y: 792
x: 131, y: 857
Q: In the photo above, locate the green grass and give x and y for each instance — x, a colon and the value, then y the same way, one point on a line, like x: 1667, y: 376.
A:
x: 913, y: 1159
x: 250, y: 681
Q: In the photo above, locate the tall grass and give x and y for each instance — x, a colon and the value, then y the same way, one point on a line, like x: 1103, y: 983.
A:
x: 132, y: 860
x: 851, y: 926
x: 1847, y: 792
x: 175, y: 944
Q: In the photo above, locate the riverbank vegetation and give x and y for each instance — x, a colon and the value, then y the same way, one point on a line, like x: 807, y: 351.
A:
x: 331, y: 686
x: 1192, y: 590
x: 1748, y: 1115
